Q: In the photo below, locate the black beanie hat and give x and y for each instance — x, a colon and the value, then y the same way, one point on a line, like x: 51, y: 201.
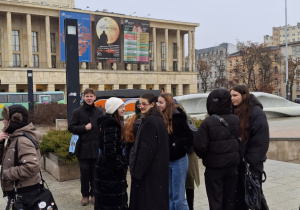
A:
x: 17, y: 117
x: 137, y: 109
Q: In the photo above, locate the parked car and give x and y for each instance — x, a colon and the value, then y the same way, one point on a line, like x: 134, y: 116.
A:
x: 297, y: 100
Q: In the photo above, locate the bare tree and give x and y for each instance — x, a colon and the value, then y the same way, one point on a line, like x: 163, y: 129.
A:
x: 204, y: 70
x: 292, y: 73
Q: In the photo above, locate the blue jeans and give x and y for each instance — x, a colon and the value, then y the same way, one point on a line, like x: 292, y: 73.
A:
x: 177, y: 176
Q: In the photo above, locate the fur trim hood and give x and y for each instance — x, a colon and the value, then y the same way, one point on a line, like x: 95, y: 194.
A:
x: 17, y: 117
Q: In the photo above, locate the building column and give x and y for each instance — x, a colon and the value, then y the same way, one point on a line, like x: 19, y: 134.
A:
x: 9, y: 42
x: 101, y: 87
x: 114, y: 66
x: 183, y: 55
x: 51, y: 87
x: 190, y: 50
x: 178, y: 51
x: 179, y: 90
x: 99, y: 66
x: 128, y: 67
x: 84, y: 86
x: 12, y: 88
x: 130, y: 86
x: 168, y: 88
x: 155, y: 87
x: 167, y: 49
x: 83, y: 65
x: 115, y: 87
x: 154, y: 49
x: 48, y: 41
x: 193, y: 52
x: 29, y: 40
x: 143, y: 86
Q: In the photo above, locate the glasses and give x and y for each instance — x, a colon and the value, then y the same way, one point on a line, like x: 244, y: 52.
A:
x: 142, y: 105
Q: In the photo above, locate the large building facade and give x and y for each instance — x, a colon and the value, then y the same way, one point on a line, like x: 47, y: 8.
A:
x: 30, y: 40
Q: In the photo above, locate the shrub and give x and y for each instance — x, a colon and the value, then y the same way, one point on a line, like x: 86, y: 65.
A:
x: 58, y: 142
x: 47, y: 113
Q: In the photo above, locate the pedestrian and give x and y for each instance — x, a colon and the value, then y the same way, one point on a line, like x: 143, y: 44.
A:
x: 149, y: 160
x: 218, y: 148
x: 180, y: 141
x: 111, y: 168
x: 131, y: 128
x: 254, y: 133
x: 84, y: 124
x: 27, y: 171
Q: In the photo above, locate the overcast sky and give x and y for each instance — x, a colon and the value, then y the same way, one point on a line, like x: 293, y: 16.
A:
x: 220, y: 20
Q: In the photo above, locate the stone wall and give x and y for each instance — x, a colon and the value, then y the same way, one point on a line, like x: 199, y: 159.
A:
x: 284, y: 149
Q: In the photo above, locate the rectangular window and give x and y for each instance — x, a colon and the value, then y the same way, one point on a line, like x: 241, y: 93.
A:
x: 53, y: 61
x: 163, y: 50
x: 15, y: 41
x: 174, y: 65
x: 230, y: 63
x: 174, y: 50
x: 230, y: 74
x: 52, y: 40
x: 35, y: 60
x: 276, y: 70
x: 151, y: 49
x: 276, y: 82
x: 151, y: 65
x: 16, y: 60
x: 34, y: 38
x: 163, y: 65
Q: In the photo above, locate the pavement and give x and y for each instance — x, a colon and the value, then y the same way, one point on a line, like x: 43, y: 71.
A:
x: 281, y: 189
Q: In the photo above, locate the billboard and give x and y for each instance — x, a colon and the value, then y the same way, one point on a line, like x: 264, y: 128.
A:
x: 107, y: 39
x: 136, y: 41
x: 84, y: 34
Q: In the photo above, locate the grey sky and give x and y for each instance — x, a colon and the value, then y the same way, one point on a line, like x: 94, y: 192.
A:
x: 220, y: 20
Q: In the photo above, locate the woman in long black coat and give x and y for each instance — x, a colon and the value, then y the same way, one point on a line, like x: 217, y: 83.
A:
x: 111, y: 168
x: 254, y: 132
x: 149, y: 160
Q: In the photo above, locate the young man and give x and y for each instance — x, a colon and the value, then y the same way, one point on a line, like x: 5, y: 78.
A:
x: 84, y: 124
x: 26, y: 171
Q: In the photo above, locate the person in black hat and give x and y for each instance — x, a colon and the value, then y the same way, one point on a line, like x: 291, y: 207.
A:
x: 26, y: 172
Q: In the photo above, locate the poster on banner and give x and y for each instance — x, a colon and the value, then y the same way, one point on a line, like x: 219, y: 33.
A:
x: 84, y: 35
x: 107, y: 39
x: 136, y: 41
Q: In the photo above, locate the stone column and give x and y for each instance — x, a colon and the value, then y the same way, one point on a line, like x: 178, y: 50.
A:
x: 193, y: 52
x: 143, y: 86
x: 178, y: 51
x: 190, y: 50
x: 48, y: 41
x: 101, y: 87
x: 130, y: 86
x: 154, y: 49
x: 183, y: 55
x: 167, y: 49
x: 29, y: 40
x: 83, y: 65
x: 9, y: 44
x: 128, y: 66
x: 51, y: 87
x: 179, y: 90
x: 115, y: 87
x: 12, y: 88
x: 84, y: 86
x: 155, y: 87
x: 114, y: 67
x: 142, y: 67
x: 99, y: 66
x: 168, y: 88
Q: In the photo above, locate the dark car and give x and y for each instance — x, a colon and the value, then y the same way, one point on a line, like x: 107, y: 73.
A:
x: 297, y: 100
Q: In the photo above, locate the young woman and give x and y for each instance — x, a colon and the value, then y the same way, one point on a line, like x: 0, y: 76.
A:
x: 180, y: 139
x: 111, y: 169
x: 149, y: 159
x: 254, y: 133
x: 218, y: 147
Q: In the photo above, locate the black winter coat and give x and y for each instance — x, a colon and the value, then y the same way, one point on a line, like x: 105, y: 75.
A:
x: 182, y: 137
x: 88, y: 144
x: 111, y: 169
x: 257, y: 145
x: 149, y: 165
x: 213, y: 142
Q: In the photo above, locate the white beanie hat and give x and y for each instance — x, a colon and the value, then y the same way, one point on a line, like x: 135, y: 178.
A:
x: 112, y: 104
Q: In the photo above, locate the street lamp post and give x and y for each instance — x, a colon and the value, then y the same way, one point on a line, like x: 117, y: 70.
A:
x: 286, y: 56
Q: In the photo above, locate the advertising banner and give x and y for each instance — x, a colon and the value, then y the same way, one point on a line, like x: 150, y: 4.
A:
x: 84, y: 35
x: 136, y: 41
x: 108, y: 39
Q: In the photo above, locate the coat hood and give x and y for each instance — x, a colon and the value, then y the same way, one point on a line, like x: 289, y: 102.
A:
x: 31, y: 130
x: 219, y: 102
x: 255, y: 101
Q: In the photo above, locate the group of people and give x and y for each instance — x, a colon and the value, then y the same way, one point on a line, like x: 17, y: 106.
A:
x: 157, y: 145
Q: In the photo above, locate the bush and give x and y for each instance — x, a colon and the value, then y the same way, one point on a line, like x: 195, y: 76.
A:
x: 47, y: 113
x: 58, y: 142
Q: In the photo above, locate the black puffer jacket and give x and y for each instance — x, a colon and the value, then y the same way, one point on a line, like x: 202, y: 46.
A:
x: 213, y: 142
x: 182, y: 137
x: 257, y: 146
x: 87, y: 146
x: 111, y: 169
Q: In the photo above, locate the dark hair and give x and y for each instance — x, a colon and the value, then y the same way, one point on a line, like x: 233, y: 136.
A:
x: 168, y: 112
x: 151, y: 99
x: 119, y: 120
x: 243, y: 111
x: 89, y: 90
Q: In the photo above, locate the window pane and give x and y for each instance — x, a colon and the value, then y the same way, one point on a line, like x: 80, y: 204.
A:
x: 17, y: 98
x: 3, y: 98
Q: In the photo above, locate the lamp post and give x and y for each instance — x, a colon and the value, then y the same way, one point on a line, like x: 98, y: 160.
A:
x: 286, y: 56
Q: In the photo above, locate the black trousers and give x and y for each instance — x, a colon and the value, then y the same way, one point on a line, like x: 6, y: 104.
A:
x: 220, y: 187
x: 87, y: 170
x: 22, y: 200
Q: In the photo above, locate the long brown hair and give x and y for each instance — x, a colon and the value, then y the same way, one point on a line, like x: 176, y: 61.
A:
x: 119, y: 120
x: 129, y: 129
x: 168, y: 112
x: 243, y: 111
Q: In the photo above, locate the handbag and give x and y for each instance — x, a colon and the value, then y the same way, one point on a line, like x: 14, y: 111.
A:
x: 45, y: 200
x: 73, y: 142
